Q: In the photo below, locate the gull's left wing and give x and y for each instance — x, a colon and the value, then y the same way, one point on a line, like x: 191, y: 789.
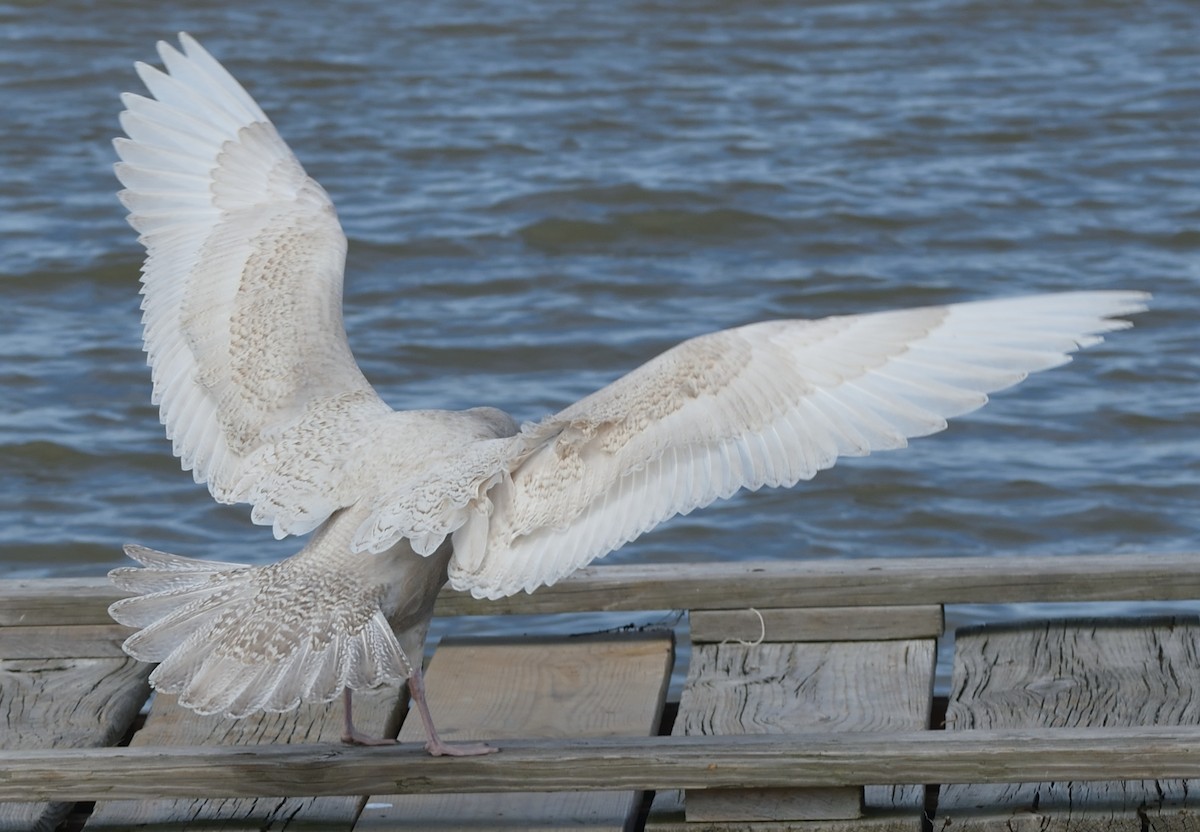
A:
x: 765, y: 404
x: 242, y: 289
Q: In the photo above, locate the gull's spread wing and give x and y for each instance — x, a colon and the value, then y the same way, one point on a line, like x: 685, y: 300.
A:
x: 765, y: 404
x: 242, y: 290
x: 262, y: 398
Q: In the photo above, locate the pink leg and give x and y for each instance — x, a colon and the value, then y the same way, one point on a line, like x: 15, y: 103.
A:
x: 350, y: 734
x: 435, y: 746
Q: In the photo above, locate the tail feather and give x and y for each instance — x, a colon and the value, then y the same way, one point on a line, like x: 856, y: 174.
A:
x: 237, y: 639
x: 185, y: 665
x: 257, y: 691
x: 320, y: 671
x: 236, y: 690
x: 176, y: 596
x: 164, y: 571
x: 293, y: 684
x: 211, y: 686
x: 169, y: 610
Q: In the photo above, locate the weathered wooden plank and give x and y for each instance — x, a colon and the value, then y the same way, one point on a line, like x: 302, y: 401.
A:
x: 817, y: 624
x: 865, y: 582
x: 259, y: 808
x: 734, y: 689
x: 799, y: 688
x: 1066, y: 674
x: 792, y: 804
x: 604, y: 764
x: 63, y: 704
x: 56, y: 601
x: 484, y: 689
x: 78, y: 641
x: 813, y: 583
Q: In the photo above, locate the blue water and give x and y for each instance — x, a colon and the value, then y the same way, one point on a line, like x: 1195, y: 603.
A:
x: 541, y: 195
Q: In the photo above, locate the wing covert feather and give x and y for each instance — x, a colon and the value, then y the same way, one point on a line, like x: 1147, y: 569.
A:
x: 768, y: 404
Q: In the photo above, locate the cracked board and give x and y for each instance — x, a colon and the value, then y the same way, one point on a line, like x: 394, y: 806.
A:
x: 1086, y: 672
x: 792, y: 688
x: 51, y: 699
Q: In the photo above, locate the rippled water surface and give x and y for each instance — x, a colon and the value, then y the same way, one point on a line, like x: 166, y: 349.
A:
x: 541, y: 195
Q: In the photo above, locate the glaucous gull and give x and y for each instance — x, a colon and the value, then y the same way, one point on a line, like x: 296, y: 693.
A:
x: 264, y: 402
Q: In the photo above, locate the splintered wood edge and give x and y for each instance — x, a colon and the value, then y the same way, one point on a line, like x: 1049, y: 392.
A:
x: 806, y: 583
x: 764, y: 761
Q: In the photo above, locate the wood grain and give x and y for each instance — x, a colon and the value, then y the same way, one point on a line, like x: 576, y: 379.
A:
x: 56, y: 601
x: 1068, y: 674
x: 607, y: 764
x: 817, y: 624
x: 800, y: 583
x: 798, y: 688
x: 758, y: 804
x: 63, y: 704
x: 79, y: 641
x: 857, y: 582
x: 484, y: 689
x: 867, y: 686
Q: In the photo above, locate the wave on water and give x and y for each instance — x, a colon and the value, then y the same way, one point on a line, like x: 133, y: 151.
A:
x: 631, y: 228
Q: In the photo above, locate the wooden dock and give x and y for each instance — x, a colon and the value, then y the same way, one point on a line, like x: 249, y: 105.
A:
x: 808, y: 705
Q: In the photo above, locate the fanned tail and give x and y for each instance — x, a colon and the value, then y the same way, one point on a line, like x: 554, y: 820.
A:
x: 236, y: 639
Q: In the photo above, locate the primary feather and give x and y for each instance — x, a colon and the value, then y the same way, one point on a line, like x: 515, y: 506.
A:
x: 263, y: 400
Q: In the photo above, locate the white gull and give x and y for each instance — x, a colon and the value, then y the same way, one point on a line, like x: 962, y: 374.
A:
x: 264, y: 402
